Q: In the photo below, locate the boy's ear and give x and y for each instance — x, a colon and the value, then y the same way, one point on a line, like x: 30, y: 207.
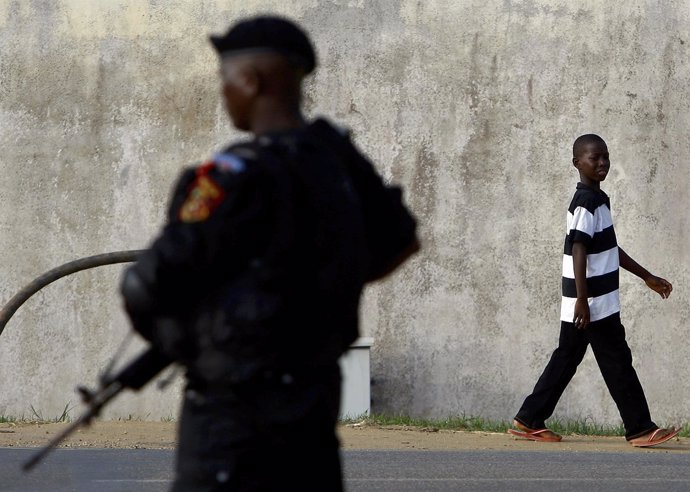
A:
x: 575, y: 161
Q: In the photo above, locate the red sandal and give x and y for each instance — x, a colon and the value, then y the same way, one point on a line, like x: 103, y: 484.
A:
x: 653, y: 438
x: 542, y: 435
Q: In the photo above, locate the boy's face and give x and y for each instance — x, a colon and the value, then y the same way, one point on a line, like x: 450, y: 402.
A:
x: 593, y: 163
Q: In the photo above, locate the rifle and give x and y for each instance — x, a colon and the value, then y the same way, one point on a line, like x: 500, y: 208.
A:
x: 134, y: 376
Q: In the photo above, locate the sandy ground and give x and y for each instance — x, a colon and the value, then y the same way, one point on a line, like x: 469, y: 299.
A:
x: 161, y: 435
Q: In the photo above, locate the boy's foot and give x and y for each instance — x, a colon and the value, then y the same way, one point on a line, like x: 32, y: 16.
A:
x: 655, y: 437
x: 543, y: 435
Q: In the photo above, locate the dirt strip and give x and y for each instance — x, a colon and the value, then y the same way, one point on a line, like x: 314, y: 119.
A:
x: 161, y: 435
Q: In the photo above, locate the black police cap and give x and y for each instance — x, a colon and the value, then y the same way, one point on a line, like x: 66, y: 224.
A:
x: 268, y: 33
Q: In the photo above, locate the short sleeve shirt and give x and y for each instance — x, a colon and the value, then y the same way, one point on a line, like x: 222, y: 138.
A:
x: 589, y: 221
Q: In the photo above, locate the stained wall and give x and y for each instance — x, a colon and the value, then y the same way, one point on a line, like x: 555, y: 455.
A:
x: 472, y: 106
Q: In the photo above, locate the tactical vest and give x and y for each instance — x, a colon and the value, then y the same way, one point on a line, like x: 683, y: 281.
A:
x: 295, y: 306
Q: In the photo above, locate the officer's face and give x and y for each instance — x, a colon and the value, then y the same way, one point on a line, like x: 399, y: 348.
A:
x: 239, y: 87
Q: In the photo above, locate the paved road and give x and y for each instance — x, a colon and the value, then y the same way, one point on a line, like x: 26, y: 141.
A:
x: 111, y: 470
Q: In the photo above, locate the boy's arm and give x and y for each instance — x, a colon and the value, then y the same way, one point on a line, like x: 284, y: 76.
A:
x: 662, y: 286
x: 581, y: 317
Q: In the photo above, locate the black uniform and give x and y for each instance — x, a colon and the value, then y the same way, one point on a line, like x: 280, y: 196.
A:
x: 254, y: 286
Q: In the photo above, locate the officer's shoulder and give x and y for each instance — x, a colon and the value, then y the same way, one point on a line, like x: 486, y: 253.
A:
x: 235, y: 160
x: 323, y: 125
x: 186, y: 177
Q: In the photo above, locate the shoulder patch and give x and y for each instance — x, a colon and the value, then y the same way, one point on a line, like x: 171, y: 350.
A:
x: 203, y: 196
x: 229, y: 162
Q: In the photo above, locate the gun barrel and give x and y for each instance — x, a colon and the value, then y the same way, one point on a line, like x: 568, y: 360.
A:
x: 43, y: 452
x: 142, y: 370
x: 135, y: 375
x: 100, y: 399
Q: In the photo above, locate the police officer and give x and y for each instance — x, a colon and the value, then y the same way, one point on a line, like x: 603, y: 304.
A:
x: 254, y: 283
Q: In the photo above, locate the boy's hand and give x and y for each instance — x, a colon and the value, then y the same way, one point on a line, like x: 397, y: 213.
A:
x: 581, y: 319
x: 662, y: 286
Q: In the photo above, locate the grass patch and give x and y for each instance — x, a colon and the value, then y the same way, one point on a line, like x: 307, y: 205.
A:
x: 37, y: 417
x: 451, y: 423
x: 63, y: 417
x: 583, y: 427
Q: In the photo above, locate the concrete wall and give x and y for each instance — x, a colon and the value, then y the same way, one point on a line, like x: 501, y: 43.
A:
x: 471, y: 105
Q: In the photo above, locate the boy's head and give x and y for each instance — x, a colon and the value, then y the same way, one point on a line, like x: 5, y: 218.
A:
x: 591, y: 158
x: 262, y: 58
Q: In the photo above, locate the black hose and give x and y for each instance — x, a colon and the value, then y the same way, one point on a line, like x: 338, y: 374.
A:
x: 63, y: 270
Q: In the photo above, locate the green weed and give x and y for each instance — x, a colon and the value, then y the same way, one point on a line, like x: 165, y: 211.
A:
x: 39, y: 418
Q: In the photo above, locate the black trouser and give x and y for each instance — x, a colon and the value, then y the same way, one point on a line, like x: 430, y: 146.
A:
x: 262, y: 437
x: 607, y: 338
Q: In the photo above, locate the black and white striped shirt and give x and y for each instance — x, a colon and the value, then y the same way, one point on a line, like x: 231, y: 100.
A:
x: 590, y: 222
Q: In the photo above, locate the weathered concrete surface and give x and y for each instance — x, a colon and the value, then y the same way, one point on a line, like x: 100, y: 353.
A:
x: 471, y: 105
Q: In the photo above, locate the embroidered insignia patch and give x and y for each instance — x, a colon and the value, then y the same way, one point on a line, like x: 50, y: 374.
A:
x: 203, y: 198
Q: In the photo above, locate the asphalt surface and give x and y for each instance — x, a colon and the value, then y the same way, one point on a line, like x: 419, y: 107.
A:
x: 110, y: 470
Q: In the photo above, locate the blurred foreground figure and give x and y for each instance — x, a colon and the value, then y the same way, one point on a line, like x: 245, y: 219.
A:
x: 254, y: 283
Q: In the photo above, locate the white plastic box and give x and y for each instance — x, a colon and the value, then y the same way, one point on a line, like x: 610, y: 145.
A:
x: 356, y: 387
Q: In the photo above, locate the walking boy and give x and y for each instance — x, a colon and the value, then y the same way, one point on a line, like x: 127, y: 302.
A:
x: 590, y: 310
